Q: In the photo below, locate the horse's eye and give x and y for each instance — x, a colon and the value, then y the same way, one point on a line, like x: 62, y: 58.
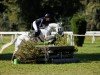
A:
x: 59, y: 29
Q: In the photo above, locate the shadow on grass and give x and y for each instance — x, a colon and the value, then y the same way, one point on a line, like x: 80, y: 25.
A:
x: 83, y: 58
x: 88, y: 57
x: 6, y: 56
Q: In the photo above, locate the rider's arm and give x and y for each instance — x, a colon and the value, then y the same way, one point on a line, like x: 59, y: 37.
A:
x: 35, y: 26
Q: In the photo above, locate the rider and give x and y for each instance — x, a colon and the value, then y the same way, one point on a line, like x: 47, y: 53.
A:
x: 41, y: 23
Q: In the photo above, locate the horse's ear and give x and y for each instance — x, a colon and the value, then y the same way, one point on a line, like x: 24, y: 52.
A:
x: 60, y: 23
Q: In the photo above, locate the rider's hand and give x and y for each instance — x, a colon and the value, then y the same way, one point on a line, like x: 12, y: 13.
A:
x: 37, y: 33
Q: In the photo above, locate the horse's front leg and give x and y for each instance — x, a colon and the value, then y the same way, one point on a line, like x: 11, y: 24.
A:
x: 51, y: 39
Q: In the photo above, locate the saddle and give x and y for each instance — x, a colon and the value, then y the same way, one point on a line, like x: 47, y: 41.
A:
x: 41, y: 38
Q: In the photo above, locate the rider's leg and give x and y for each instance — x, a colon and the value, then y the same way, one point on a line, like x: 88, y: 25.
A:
x: 40, y: 38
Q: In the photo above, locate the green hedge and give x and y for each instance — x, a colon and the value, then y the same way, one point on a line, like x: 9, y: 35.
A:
x: 78, y: 24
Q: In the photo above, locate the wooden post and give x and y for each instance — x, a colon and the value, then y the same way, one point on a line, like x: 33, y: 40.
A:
x: 68, y: 39
x: 72, y: 39
x: 1, y: 38
x: 16, y: 36
x: 93, y: 38
x: 12, y: 37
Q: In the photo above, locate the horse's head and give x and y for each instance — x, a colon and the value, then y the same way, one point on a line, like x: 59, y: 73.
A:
x: 60, y: 28
x: 57, y: 27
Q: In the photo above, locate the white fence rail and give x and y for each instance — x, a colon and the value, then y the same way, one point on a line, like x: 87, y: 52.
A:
x: 70, y: 36
x: 14, y: 35
x: 92, y: 34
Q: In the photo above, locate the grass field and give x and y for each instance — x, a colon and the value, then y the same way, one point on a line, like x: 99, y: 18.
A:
x: 89, y: 64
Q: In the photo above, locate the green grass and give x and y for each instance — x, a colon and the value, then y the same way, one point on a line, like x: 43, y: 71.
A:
x: 89, y: 64
x: 5, y: 39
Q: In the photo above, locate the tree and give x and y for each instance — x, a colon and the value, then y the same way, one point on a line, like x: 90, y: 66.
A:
x: 24, y: 12
x: 97, y: 18
x: 5, y: 23
x: 2, y: 8
x: 79, y: 24
x: 92, y: 13
x: 32, y: 9
x: 11, y: 11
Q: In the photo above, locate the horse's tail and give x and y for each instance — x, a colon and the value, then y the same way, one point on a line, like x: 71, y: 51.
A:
x: 7, y: 45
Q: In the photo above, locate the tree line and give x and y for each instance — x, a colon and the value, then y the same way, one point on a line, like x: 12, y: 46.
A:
x: 18, y: 15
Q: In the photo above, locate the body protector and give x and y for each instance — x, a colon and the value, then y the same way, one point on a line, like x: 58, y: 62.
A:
x: 40, y: 24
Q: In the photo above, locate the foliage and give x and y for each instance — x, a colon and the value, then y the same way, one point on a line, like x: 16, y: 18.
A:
x: 11, y: 12
x: 66, y: 23
x: 61, y: 9
x: 23, y: 12
x: 28, y: 51
x: 2, y: 7
x: 5, y: 23
x: 97, y: 19
x: 92, y: 12
x: 61, y: 40
x: 79, y: 23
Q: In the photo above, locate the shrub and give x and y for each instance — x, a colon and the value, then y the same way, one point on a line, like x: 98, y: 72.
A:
x: 28, y: 52
x: 78, y: 24
x: 31, y: 51
x: 61, y: 41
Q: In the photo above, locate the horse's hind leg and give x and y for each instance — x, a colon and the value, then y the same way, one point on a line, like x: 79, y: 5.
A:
x: 13, y: 56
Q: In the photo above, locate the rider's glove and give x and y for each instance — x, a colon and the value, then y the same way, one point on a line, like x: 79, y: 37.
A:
x: 37, y: 33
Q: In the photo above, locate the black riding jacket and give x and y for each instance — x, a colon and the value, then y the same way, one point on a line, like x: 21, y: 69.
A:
x: 41, y: 23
